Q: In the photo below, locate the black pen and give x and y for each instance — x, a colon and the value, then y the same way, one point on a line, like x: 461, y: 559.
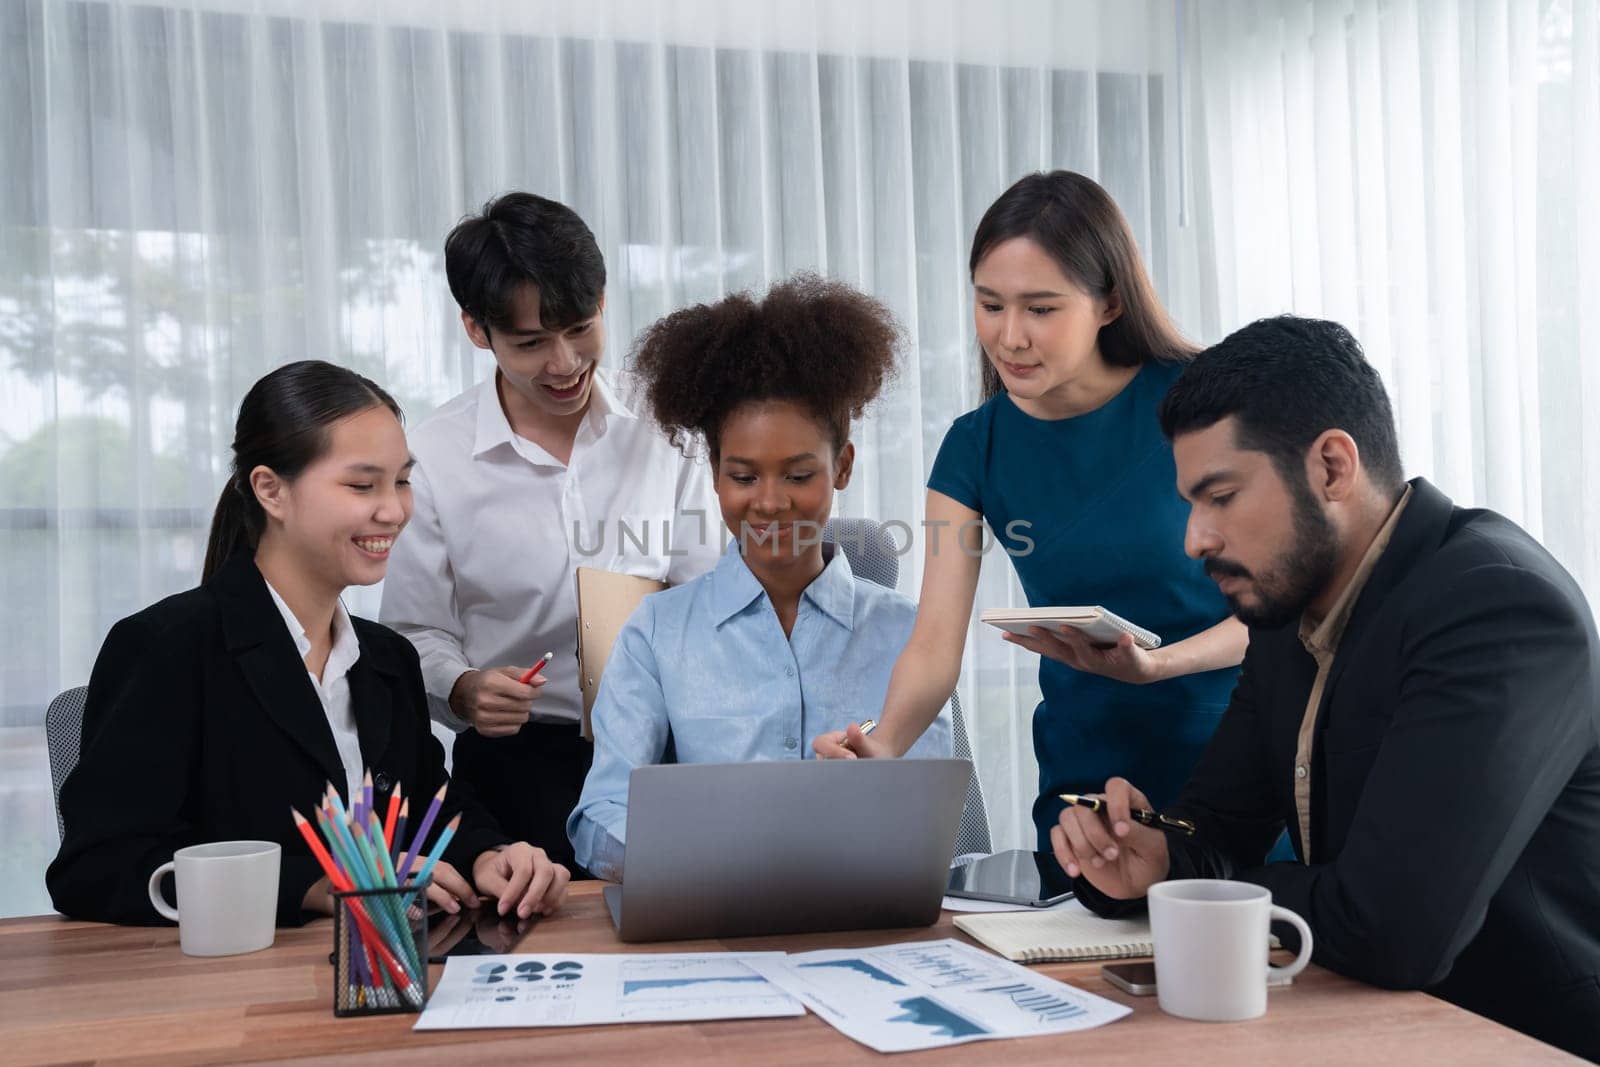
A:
x: 1149, y: 818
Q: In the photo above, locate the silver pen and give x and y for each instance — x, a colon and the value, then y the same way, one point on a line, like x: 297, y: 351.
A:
x: 866, y: 726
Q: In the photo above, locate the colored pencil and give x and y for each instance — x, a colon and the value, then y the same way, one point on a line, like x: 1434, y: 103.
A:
x: 399, y: 831
x: 388, y: 820
x: 370, y: 841
x: 421, y: 836
x: 438, y: 849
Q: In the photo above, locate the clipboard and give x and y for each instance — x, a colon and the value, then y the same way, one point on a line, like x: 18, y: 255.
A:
x: 605, y: 600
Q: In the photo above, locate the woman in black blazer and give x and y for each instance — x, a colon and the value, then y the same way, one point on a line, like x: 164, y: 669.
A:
x: 204, y: 721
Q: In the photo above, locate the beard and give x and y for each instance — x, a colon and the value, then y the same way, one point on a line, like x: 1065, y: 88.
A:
x: 1293, y: 580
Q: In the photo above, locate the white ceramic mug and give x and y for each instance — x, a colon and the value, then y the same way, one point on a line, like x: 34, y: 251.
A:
x: 1211, y: 939
x: 228, y: 893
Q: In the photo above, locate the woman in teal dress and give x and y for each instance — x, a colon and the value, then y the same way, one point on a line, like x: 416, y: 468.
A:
x: 1066, y: 464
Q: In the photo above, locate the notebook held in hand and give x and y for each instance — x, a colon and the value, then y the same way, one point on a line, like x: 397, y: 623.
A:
x: 1099, y: 625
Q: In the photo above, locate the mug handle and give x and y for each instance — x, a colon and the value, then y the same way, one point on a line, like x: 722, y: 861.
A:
x: 1300, y: 961
x: 156, y: 898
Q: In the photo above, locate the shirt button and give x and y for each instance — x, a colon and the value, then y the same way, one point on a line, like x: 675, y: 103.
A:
x: 382, y: 783
x: 789, y: 671
x: 1300, y: 771
x: 791, y: 743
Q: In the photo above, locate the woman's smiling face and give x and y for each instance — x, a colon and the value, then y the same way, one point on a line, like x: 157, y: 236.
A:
x: 776, y: 470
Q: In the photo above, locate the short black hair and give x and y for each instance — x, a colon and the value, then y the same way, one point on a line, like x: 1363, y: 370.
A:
x: 517, y: 239
x: 813, y: 342
x: 1287, y: 380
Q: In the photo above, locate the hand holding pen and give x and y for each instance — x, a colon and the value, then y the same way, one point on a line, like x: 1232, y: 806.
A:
x: 497, y: 701
x: 1140, y: 815
x: 850, y: 743
x: 1110, y: 840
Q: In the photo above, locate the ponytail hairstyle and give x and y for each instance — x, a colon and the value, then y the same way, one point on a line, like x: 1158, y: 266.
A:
x: 1081, y: 228
x: 284, y: 423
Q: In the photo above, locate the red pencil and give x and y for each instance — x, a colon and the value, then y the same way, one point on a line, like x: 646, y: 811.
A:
x: 388, y: 821
x: 527, y: 675
x: 399, y: 833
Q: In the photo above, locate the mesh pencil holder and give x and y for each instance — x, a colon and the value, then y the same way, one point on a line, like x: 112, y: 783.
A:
x: 380, y: 950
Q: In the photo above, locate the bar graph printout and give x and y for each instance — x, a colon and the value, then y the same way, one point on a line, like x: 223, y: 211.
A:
x: 926, y: 994
x: 581, y: 990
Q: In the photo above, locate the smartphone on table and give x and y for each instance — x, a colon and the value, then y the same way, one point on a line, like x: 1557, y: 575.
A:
x: 1137, y: 978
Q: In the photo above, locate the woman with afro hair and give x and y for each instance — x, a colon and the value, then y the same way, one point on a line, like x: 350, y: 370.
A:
x: 780, y: 641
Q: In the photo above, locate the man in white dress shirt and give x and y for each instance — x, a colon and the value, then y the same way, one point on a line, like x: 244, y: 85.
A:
x: 536, y: 471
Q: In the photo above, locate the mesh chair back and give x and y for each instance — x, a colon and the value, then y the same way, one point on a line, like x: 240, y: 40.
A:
x: 972, y: 835
x: 63, y: 736
x: 869, y: 548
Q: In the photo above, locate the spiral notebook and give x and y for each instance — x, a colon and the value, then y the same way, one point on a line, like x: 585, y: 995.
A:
x: 1070, y: 933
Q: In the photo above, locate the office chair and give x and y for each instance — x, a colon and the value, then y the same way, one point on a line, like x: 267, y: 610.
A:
x: 63, y: 737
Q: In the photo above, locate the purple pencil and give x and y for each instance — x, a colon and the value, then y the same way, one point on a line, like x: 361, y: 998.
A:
x: 421, y: 835
x: 366, y: 799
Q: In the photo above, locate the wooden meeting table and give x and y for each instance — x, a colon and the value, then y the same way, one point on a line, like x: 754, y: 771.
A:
x: 77, y: 992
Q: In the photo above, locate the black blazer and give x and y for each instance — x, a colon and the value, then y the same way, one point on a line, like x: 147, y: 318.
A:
x: 1455, y: 830
x: 202, y: 725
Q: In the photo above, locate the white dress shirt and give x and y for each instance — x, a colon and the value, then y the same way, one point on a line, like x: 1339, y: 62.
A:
x: 483, y: 574
x: 333, y: 688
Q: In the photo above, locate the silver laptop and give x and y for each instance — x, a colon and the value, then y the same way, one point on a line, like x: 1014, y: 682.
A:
x: 743, y: 849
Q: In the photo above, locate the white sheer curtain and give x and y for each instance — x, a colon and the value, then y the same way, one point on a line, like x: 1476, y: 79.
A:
x: 198, y: 190
x: 1424, y: 171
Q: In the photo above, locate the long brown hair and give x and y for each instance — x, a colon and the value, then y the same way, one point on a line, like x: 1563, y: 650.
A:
x: 283, y: 425
x: 1079, y: 226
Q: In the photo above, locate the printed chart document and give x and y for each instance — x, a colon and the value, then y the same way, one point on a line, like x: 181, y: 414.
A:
x: 581, y: 990
x: 927, y: 994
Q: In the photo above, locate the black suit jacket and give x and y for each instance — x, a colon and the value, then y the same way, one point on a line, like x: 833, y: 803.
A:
x: 202, y: 725
x: 1455, y: 830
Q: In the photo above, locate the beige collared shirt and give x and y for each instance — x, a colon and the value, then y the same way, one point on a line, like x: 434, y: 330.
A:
x: 1321, y: 639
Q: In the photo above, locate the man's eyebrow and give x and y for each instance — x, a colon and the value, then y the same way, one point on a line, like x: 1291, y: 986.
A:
x: 1204, y: 483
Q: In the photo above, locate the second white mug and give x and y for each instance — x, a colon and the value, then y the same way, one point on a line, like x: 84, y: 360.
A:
x: 1211, y: 940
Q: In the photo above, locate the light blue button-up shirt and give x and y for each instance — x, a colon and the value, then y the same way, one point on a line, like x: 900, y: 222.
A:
x: 707, y: 665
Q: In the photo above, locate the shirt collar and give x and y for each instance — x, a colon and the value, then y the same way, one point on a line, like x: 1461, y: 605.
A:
x: 833, y: 592
x: 735, y: 587
x: 606, y: 400
x: 346, y: 649
x: 1323, y: 637
x: 494, y: 429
